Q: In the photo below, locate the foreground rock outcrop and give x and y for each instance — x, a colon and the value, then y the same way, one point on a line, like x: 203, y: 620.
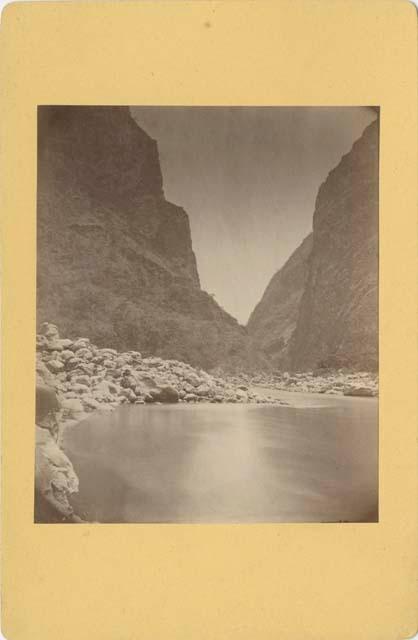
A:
x: 115, y: 258
x: 55, y: 479
x: 321, y: 308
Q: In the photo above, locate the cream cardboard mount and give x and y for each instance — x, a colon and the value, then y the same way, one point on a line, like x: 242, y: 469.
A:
x: 211, y: 581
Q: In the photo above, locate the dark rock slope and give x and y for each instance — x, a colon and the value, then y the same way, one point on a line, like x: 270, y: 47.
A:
x: 273, y: 321
x: 115, y: 259
x: 337, y: 312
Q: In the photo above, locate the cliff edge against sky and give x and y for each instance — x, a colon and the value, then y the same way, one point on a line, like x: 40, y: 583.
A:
x: 115, y: 258
x: 321, y: 308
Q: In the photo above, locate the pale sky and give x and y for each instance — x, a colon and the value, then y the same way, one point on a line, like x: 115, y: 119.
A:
x: 248, y: 178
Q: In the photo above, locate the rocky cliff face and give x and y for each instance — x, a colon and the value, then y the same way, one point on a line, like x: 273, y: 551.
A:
x: 273, y: 321
x: 337, y: 311
x: 115, y: 259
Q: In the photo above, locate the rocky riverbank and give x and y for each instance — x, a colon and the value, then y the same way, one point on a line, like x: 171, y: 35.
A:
x: 88, y: 378
x: 333, y: 382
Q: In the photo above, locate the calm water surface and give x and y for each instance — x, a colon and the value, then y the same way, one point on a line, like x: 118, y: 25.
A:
x: 316, y: 462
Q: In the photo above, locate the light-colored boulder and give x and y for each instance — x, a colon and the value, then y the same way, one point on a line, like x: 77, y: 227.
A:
x: 55, y: 366
x: 67, y: 354
x: 84, y: 353
x: 83, y: 379
x: 204, y: 391
x: 49, y: 330
x: 90, y: 403
x: 193, y: 379
x: 80, y: 343
x: 72, y: 409
x: 81, y: 388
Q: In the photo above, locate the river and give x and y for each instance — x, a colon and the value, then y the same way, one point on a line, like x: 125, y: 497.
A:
x: 316, y: 461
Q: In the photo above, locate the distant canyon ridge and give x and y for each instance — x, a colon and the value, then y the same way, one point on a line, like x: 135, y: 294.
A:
x: 115, y: 261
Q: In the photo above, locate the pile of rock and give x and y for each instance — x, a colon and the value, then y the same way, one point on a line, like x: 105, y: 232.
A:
x: 89, y: 378
x: 336, y: 382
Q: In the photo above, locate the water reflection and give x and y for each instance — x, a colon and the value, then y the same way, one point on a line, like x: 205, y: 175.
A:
x: 229, y: 463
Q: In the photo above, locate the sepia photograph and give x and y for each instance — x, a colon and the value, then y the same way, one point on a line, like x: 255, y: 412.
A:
x: 207, y: 314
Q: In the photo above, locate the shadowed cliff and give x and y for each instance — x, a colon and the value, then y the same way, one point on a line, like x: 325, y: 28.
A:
x: 273, y: 321
x: 321, y: 308
x: 115, y: 259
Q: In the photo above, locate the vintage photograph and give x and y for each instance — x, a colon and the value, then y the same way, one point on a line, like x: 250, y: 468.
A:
x: 207, y: 314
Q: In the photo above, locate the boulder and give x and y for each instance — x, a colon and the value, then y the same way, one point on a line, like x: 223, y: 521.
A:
x: 168, y: 394
x: 73, y: 363
x: 204, y: 391
x: 128, y: 394
x: 106, y: 388
x: 65, y: 343
x: 84, y: 353
x: 80, y: 388
x: 109, y: 352
x: 83, y: 379
x: 67, y: 354
x: 192, y: 379
x: 364, y: 392
x: 43, y: 373
x: 107, y: 363
x: 86, y: 367
x: 128, y: 382
x: 153, y: 362
x: 41, y: 343
x: 90, y: 402
x: 55, y: 366
x: 80, y: 343
x: 53, y: 345
x: 49, y: 330
x: 115, y: 374
x: 73, y: 409
x: 146, y: 381
x: 165, y: 394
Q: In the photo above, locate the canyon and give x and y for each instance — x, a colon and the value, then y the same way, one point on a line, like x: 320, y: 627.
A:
x: 116, y: 261
x: 116, y: 272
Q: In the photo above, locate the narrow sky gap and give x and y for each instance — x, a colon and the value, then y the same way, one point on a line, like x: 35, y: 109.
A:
x: 248, y: 178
